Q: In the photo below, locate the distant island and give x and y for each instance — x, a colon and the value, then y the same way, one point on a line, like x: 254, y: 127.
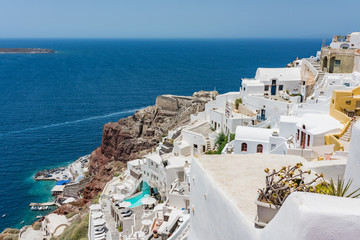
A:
x: 25, y: 50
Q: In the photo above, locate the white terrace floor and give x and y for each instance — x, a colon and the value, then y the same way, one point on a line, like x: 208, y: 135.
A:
x: 240, y: 176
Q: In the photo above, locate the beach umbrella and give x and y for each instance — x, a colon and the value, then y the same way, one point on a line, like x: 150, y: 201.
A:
x: 96, y: 215
x: 95, y: 207
x: 159, y: 207
x: 99, y: 222
x: 125, y: 204
x: 118, y: 197
x: 148, y: 201
x: 146, y: 222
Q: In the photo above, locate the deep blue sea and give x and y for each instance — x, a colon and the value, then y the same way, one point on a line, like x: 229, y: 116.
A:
x: 53, y: 106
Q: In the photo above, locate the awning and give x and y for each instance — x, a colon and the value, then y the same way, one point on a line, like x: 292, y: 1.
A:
x: 62, y: 182
x: 148, y: 201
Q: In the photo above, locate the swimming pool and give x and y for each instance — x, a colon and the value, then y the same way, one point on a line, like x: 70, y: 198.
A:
x: 136, y: 201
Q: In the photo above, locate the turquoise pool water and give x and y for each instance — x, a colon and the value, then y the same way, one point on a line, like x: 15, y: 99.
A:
x: 136, y: 201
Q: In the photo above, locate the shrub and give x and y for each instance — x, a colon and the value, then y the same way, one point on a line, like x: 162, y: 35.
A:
x: 340, y: 189
x: 77, y: 231
x: 237, y: 102
x: 96, y: 199
x: 279, y: 184
x: 70, y: 215
x: 37, y: 226
x: 119, y: 228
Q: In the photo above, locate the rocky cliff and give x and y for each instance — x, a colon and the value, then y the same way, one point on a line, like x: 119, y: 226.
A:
x: 131, y: 137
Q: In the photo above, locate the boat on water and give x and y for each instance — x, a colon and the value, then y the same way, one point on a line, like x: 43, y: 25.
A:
x: 34, y: 208
x: 22, y: 222
x: 39, y: 216
x: 4, y: 215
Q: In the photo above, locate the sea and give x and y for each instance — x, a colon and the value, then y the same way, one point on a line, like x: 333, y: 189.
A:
x: 53, y: 106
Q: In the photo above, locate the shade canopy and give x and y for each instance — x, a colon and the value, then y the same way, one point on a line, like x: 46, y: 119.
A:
x: 148, y: 201
x: 125, y: 204
x: 69, y: 200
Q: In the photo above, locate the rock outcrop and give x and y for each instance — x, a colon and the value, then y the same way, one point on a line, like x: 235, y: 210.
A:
x: 131, y: 137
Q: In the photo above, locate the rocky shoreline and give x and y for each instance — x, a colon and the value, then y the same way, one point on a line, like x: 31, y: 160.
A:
x: 131, y: 138
x: 134, y: 136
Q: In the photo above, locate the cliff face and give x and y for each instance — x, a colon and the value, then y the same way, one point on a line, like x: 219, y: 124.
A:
x: 131, y: 137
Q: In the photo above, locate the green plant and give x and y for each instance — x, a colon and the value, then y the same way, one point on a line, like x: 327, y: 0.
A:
x: 119, y: 228
x: 77, y: 230
x: 37, y: 226
x: 212, y: 129
x: 70, y: 215
x: 340, y: 189
x: 279, y: 184
x: 268, y: 126
x: 237, y: 102
x: 96, y: 199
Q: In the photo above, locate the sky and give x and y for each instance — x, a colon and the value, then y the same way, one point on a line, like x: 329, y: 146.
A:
x: 177, y: 18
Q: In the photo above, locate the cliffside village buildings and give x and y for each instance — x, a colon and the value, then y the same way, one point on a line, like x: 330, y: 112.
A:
x: 306, y: 112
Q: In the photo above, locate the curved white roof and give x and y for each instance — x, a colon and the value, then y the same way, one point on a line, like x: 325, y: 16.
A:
x: 253, y: 134
x: 55, y: 220
x: 281, y: 74
x: 319, y: 123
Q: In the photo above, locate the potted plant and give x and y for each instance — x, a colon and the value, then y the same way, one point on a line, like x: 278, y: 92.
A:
x: 279, y: 185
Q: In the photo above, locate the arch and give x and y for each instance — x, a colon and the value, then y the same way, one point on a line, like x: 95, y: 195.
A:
x: 345, y: 46
x: 244, y: 147
x: 325, y: 64
x: 259, y: 148
x: 332, y: 64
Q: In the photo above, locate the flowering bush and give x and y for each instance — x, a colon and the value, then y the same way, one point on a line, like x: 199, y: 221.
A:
x: 279, y: 184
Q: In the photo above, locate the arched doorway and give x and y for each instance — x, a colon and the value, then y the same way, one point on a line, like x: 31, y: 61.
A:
x: 259, y: 148
x: 325, y: 64
x: 332, y: 63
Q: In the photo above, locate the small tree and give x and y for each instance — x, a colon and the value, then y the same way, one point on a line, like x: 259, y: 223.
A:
x: 279, y: 184
x: 237, y: 102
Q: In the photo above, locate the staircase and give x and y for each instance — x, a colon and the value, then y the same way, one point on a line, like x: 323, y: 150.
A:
x: 321, y: 74
x: 208, y: 145
x: 347, y: 135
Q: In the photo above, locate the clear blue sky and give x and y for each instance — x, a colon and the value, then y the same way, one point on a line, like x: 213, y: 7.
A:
x: 177, y: 18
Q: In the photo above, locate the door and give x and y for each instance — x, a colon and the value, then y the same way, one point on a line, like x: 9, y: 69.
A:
x: 303, y: 137
x: 262, y: 114
x: 273, y: 87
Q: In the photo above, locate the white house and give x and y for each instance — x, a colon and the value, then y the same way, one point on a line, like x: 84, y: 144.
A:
x: 272, y: 81
x: 53, y: 225
x: 252, y: 140
x: 346, y: 42
x: 312, y: 128
x: 161, y: 171
x: 227, y: 209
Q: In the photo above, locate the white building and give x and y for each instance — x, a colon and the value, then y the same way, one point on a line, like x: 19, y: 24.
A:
x: 312, y: 129
x: 53, y: 225
x: 160, y: 172
x: 346, y: 42
x: 252, y: 140
x: 223, y: 202
x: 273, y: 81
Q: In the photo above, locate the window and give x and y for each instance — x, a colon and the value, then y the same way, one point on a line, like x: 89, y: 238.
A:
x: 266, y: 88
x: 337, y: 63
x: 259, y: 148
x: 273, y: 82
x: 348, y: 102
x: 308, y: 140
x: 273, y: 146
x: 195, y: 146
x: 244, y: 147
x: 152, y: 164
x: 281, y: 87
x: 298, y: 134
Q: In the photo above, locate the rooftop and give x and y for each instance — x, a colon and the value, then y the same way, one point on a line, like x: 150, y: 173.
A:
x: 240, y: 176
x: 253, y: 134
x: 319, y: 123
x: 281, y: 74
